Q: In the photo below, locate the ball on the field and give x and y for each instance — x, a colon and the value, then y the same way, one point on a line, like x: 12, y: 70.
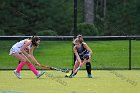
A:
x: 67, y: 75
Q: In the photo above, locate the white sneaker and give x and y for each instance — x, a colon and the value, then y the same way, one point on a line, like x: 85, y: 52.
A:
x: 17, y: 74
x: 40, y: 74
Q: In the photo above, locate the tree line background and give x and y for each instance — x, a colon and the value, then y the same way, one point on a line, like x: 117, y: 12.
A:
x: 55, y: 17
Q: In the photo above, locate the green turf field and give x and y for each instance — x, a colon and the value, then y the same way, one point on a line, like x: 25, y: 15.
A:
x: 106, y: 54
x: 104, y: 81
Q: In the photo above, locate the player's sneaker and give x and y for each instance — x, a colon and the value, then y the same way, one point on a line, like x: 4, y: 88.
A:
x: 89, y: 76
x: 17, y: 74
x: 40, y: 74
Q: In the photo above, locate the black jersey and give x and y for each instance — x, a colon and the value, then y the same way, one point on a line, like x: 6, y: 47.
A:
x: 82, y: 51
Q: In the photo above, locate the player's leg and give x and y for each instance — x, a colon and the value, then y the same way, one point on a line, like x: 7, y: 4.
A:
x: 24, y: 60
x: 76, y: 65
x: 19, y: 57
x: 32, y: 68
x: 88, y: 68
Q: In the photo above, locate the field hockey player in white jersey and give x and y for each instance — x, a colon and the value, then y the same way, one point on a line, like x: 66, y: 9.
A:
x: 19, y: 51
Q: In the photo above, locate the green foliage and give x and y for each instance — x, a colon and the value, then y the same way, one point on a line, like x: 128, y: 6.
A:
x: 87, y: 29
x: 30, y: 16
x: 122, y: 17
x: 47, y: 33
x: 19, y: 34
x: 2, y: 33
x: 27, y: 17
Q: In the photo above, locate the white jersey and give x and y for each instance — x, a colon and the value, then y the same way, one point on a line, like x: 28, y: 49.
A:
x: 16, y: 48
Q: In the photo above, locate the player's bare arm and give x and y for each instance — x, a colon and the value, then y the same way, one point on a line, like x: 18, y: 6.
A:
x: 32, y: 56
x: 88, y: 48
x: 76, y: 54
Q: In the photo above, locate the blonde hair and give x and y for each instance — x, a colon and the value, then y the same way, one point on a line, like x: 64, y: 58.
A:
x: 77, y: 40
x: 80, y: 37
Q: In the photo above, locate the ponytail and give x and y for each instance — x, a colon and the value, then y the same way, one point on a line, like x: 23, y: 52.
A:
x: 34, y: 40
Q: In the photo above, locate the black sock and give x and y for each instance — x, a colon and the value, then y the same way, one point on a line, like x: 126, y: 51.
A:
x: 72, y: 73
x: 88, y: 67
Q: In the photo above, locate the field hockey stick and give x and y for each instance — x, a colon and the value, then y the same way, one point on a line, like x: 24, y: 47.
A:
x: 53, y: 68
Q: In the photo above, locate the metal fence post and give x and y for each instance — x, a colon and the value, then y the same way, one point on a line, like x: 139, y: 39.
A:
x: 75, y: 18
x: 74, y: 28
x: 130, y: 54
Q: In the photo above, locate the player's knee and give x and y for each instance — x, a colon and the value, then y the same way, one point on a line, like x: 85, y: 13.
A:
x: 24, y: 60
x: 88, y: 64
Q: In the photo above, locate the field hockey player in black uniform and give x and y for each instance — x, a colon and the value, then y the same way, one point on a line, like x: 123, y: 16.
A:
x: 83, y: 56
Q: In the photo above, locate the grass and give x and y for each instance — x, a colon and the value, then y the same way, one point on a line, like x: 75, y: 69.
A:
x: 106, y: 54
x: 104, y: 81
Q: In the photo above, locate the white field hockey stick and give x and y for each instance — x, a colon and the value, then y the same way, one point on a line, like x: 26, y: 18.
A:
x: 76, y: 70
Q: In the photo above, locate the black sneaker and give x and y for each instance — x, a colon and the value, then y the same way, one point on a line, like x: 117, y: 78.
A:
x: 72, y: 75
